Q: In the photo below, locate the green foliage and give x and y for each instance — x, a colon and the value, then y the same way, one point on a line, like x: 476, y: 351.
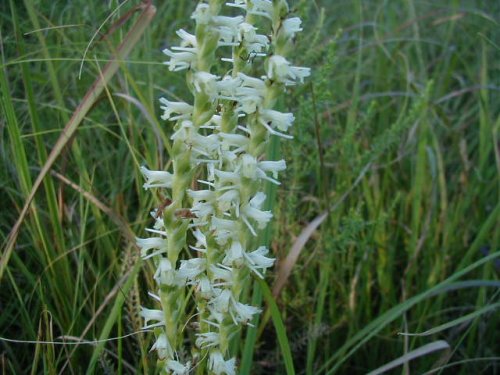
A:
x: 396, y: 133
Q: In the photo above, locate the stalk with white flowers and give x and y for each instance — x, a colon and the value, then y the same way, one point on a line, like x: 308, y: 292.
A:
x: 222, y: 137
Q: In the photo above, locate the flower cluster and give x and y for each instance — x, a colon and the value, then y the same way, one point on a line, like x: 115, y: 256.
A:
x: 216, y: 204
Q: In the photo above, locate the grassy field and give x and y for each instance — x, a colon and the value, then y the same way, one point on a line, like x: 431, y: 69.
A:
x: 387, y: 216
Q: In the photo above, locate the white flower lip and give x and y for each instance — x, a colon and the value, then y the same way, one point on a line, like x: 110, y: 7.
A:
x: 163, y: 347
x: 242, y: 313
x: 146, y: 244
x: 251, y: 210
x: 271, y: 119
x: 257, y: 260
x: 177, y: 368
x: 224, y: 229
x: 187, y: 38
x: 166, y: 274
x: 262, y: 8
x: 221, y: 302
x: 219, y: 366
x: 291, y: 26
x: 254, y: 43
x: 235, y: 255
x: 183, y: 109
x: 180, y: 60
x: 222, y: 273
x: 156, y: 315
x: 204, y: 82
x: 201, y: 14
x: 191, y: 268
x: 207, y: 339
x: 156, y: 179
x: 280, y: 69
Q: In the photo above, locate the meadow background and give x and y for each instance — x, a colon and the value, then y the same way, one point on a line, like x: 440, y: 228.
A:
x: 389, y: 207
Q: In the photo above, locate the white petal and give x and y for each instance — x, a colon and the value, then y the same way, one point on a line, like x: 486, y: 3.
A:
x: 206, y: 83
x: 202, y: 14
x: 148, y: 314
x: 219, y: 366
x: 221, y: 302
x: 272, y: 166
x: 165, y: 274
x: 279, y: 120
x: 177, y: 368
x: 156, y: 178
x: 234, y: 256
x: 174, y: 107
x: 244, y: 313
x: 207, y: 339
x: 258, y: 200
x: 291, y: 26
x: 191, y: 268
x: 257, y: 260
x: 249, y: 166
x: 146, y: 244
x: 163, y: 347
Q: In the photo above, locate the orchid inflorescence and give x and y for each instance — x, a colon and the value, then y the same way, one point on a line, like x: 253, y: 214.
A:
x: 219, y: 142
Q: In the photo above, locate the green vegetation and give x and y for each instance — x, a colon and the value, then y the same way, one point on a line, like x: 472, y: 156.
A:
x: 396, y: 140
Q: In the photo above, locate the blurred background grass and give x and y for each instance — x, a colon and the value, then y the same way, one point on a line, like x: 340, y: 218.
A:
x: 396, y: 137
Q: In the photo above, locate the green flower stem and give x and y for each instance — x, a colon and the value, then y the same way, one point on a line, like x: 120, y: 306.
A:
x: 172, y: 297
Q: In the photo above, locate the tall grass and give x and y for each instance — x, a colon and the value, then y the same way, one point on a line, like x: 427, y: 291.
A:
x: 396, y: 140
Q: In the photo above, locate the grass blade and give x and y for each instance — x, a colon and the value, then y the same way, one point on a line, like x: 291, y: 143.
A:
x: 455, y: 322
x: 382, y: 321
x: 419, y: 352
x: 279, y: 327
x: 121, y: 292
x: 92, y: 94
x: 286, y: 266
